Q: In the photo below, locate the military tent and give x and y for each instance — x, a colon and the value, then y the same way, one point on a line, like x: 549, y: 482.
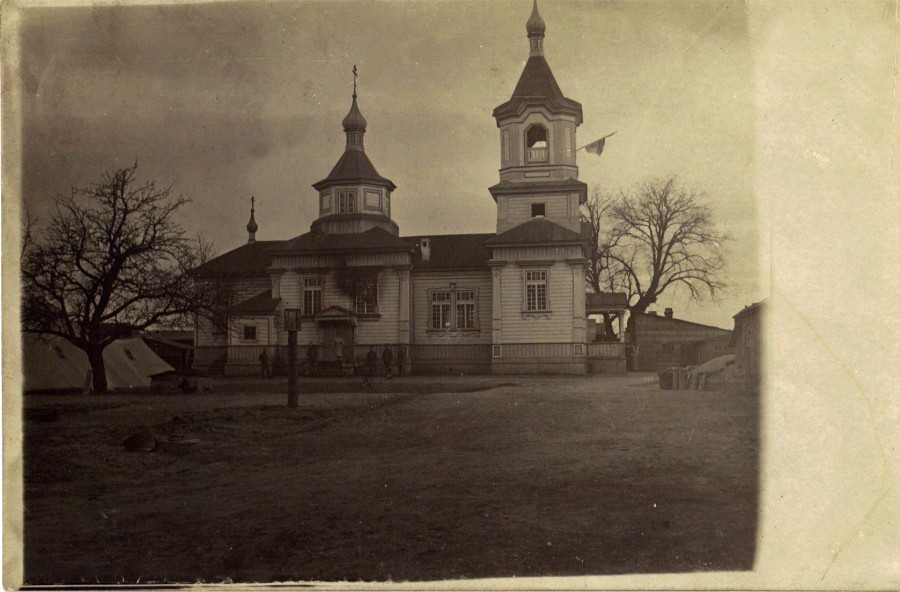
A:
x: 52, y: 363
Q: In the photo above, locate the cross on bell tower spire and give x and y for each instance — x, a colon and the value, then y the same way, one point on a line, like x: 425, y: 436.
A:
x: 354, y: 123
x: 252, y: 226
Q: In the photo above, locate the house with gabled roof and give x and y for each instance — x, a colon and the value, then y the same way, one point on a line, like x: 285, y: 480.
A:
x: 511, y: 301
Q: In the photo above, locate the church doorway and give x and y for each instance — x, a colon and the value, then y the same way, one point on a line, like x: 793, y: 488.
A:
x: 338, y: 340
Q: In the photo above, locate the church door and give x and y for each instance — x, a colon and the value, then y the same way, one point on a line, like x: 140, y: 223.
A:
x: 337, y: 341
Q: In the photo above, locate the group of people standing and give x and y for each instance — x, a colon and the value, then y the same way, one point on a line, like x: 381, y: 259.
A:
x: 312, y: 362
x: 387, y: 358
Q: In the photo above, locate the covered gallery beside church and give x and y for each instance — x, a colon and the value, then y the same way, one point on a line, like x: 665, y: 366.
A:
x: 511, y: 301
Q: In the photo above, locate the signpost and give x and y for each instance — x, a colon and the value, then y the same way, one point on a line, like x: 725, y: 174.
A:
x: 292, y: 325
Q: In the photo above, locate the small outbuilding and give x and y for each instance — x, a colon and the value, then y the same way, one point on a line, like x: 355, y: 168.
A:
x: 665, y: 342
x: 746, y: 340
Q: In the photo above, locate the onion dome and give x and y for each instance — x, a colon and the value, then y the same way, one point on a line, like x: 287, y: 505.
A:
x: 535, y: 25
x: 354, y: 121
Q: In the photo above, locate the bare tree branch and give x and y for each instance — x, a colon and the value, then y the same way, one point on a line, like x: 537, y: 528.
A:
x: 662, y: 237
x: 112, y: 260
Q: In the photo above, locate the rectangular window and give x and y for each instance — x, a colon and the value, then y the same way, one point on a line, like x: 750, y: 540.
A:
x: 326, y: 202
x: 537, y: 209
x: 440, y: 310
x: 312, y: 295
x: 506, y: 146
x: 373, y: 200
x: 568, y: 142
x: 367, y: 298
x: 535, y: 291
x: 292, y: 319
x: 465, y: 309
x: 250, y: 332
x: 346, y: 202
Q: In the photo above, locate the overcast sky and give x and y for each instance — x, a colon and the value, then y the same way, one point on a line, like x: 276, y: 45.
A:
x: 228, y: 100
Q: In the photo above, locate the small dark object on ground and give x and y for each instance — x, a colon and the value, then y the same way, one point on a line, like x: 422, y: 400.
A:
x: 179, y: 446
x: 42, y: 415
x: 143, y: 441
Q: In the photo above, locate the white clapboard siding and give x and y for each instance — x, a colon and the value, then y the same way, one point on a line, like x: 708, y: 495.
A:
x: 205, y: 335
x: 385, y: 328
x: 530, y: 329
x: 289, y: 290
x: 236, y: 330
x: 422, y: 284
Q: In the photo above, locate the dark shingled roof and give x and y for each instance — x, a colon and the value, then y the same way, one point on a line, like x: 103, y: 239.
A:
x: 554, y: 186
x: 607, y: 299
x: 354, y: 167
x: 454, y: 251
x: 374, y: 238
x: 537, y: 85
x: 249, y: 259
x: 259, y: 304
x: 536, y: 231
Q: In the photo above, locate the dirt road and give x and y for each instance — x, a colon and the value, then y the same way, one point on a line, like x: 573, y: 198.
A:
x: 551, y: 476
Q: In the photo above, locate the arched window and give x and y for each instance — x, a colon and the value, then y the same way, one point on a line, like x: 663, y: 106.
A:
x: 536, y: 144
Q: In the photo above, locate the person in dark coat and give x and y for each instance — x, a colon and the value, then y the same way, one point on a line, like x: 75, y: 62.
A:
x: 387, y: 356
x: 371, y: 362
x: 312, y: 359
x: 264, y: 370
x: 401, y: 360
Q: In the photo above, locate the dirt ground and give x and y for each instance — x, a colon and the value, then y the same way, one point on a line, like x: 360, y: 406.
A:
x: 432, y: 478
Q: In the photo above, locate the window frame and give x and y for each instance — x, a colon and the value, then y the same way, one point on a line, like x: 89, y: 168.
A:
x: 543, y: 207
x: 433, y: 303
x: 466, y: 302
x: 359, y: 298
x: 526, y: 283
x: 253, y: 329
x: 304, y: 288
x: 346, y: 202
x: 378, y: 200
x: 452, y: 303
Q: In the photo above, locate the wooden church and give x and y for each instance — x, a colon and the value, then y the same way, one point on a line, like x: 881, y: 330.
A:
x: 507, y: 302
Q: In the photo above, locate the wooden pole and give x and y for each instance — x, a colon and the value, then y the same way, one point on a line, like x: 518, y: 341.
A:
x: 292, y: 369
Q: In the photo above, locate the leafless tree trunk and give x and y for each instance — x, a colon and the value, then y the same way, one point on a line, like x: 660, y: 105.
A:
x: 596, y: 212
x: 112, y: 260
x: 663, y: 238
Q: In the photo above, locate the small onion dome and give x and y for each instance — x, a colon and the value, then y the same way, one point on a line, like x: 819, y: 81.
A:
x: 535, y: 25
x: 354, y: 121
x: 252, y: 226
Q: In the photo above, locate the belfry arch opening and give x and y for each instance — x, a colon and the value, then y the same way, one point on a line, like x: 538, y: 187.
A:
x: 536, y: 146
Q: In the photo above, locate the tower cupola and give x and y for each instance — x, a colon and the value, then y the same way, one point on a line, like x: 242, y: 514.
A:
x: 536, y: 29
x: 354, y: 123
x: 354, y: 197
x: 538, y: 160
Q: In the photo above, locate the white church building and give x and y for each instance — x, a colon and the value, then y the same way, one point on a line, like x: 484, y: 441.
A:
x: 512, y: 301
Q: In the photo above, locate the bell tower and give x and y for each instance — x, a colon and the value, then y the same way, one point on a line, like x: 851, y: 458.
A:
x: 538, y: 169
x: 354, y: 197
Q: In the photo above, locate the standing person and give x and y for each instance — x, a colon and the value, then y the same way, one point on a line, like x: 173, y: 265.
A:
x: 339, y: 348
x: 401, y: 360
x: 387, y: 356
x: 371, y: 362
x: 264, y: 365
x: 312, y: 359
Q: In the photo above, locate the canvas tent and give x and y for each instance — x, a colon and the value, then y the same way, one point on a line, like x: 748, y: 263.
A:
x: 52, y: 363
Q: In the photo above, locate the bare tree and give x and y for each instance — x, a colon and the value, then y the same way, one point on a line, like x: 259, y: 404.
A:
x: 663, y: 238
x: 111, y: 260
x: 595, y: 212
